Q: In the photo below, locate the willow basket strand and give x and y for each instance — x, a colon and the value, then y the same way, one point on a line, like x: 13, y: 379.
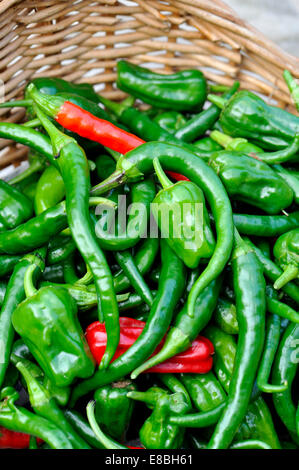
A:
x: 81, y: 41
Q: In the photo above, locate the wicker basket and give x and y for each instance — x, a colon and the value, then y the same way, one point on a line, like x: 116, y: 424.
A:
x: 81, y: 41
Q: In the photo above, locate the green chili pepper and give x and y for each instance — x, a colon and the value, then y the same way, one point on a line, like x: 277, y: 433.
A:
x: 143, y: 259
x: 265, y: 225
x: 247, y: 115
x: 107, y: 442
x: 37, y: 163
x: 105, y: 166
x: 171, y: 121
x: 51, y: 314
x: 181, y: 91
x: 50, y: 190
x: 171, y: 286
x: 251, y: 305
x: 252, y: 181
x: 242, y: 145
x: 59, y: 249
x: 15, y: 294
x: 113, y: 408
x: 205, y: 390
x: 19, y: 419
x: 286, y: 253
x: 175, y: 198
x: 15, y: 207
x: 44, y: 405
x: 225, y: 316
x: 207, y: 144
x: 7, y: 264
x: 284, y: 369
x: 174, y: 385
x: 3, y: 287
x: 272, y: 272
x: 82, y: 427
x: 126, y: 262
x: 157, y: 432
x: 74, y: 170
x: 271, y: 344
x: 202, y: 122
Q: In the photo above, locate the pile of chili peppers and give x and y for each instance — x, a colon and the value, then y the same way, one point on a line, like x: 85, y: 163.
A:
x: 149, y: 266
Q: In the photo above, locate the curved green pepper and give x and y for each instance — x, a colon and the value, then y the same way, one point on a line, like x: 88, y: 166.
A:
x: 286, y: 253
x: 50, y: 190
x: 181, y: 91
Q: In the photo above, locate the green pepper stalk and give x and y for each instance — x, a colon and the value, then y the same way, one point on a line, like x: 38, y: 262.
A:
x: 292, y: 86
x: 19, y: 419
x: 242, y: 145
x: 106, y: 441
x: 37, y: 163
x: 251, y: 306
x: 74, y: 170
x: 15, y: 294
x: 186, y: 198
x: 247, y: 115
x: 45, y: 406
x: 286, y: 253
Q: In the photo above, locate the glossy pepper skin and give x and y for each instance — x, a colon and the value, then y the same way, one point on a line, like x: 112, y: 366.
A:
x: 171, y: 121
x: 113, y: 408
x: 186, y: 202
x: 252, y: 181
x: 50, y: 190
x: 181, y: 91
x: 247, y: 115
x: 53, y: 335
x: 251, y: 305
x: 286, y: 253
x: 157, y: 432
x: 15, y: 208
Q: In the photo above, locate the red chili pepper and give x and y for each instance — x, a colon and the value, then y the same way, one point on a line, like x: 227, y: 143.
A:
x: 14, y: 440
x: 196, y: 359
x: 85, y: 124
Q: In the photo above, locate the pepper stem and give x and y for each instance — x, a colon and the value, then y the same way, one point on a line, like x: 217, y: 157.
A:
x: 29, y: 287
x: 33, y: 123
x: 50, y: 104
x: 17, y: 104
x: 176, y: 342
x: 217, y: 100
x: 290, y: 273
x: 58, y: 138
x: 106, y: 441
x: 165, y: 182
x: 292, y: 86
x: 221, y: 139
x: 117, y: 108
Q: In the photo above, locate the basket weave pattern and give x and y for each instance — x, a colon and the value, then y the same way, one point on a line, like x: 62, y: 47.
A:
x: 81, y: 41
